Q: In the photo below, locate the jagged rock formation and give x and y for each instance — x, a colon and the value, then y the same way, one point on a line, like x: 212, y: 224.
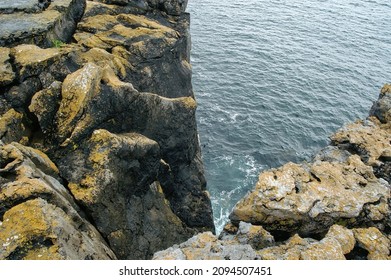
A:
x: 103, y: 89
x: 336, y: 207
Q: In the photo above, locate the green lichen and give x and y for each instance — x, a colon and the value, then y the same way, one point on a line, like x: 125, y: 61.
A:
x: 58, y: 43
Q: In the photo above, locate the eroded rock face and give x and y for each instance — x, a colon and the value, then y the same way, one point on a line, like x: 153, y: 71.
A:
x: 156, y: 50
x: 114, y: 109
x: 38, y: 217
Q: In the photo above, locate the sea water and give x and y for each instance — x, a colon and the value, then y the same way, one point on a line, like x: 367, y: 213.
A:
x: 275, y: 78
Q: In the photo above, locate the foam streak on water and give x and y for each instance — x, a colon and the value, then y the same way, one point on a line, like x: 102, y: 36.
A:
x: 274, y: 78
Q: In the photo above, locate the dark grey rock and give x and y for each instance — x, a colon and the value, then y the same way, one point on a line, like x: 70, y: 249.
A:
x: 382, y: 107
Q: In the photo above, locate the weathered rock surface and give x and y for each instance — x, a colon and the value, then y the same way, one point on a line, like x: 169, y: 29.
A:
x: 113, y: 177
x: 38, y: 216
x: 206, y: 246
x: 171, y: 7
x: 157, y: 50
x: 236, y: 243
x: 12, y: 127
x: 7, y: 75
x: 28, y: 22
x: 114, y: 109
x: 308, y: 199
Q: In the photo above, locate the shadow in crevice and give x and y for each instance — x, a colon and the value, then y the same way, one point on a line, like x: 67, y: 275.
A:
x: 357, y: 253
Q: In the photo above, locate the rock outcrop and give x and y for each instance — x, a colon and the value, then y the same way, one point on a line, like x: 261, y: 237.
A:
x: 103, y: 89
x: 336, y: 207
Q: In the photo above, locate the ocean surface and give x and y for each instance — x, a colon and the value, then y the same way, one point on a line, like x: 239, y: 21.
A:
x: 275, y: 78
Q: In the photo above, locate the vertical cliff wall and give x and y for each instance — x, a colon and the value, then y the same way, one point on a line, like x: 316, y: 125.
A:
x: 99, y: 152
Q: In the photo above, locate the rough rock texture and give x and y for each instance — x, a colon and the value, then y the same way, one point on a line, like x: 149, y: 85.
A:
x: 171, y: 7
x: 40, y: 24
x: 308, y: 199
x: 336, y: 207
x: 111, y: 104
x: 103, y: 89
x: 38, y: 216
x: 237, y: 243
x: 7, y: 75
x: 206, y: 246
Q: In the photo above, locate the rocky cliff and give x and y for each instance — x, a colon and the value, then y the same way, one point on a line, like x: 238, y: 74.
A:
x: 99, y: 152
x: 338, y: 206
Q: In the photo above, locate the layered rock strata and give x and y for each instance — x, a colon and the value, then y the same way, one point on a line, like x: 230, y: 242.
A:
x: 336, y: 207
x: 99, y: 147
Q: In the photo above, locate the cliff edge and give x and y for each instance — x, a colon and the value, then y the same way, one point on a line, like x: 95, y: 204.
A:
x: 335, y: 207
x: 99, y: 152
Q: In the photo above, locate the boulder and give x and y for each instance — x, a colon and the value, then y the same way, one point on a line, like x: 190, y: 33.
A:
x: 45, y: 104
x: 206, y: 246
x: 31, y: 60
x: 309, y: 198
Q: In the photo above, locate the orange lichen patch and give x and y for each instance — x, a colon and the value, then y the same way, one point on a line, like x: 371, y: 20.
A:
x: 25, y: 229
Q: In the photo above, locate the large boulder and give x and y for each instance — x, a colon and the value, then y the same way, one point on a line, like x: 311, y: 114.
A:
x: 382, y: 107
x: 308, y: 199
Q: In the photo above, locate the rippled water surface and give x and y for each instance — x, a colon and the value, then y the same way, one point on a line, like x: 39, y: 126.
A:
x: 274, y: 78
